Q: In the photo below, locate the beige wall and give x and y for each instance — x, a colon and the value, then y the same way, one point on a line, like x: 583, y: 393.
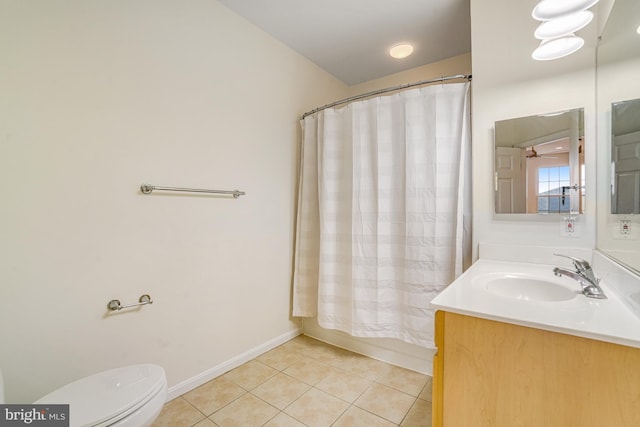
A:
x: 507, y: 83
x: 99, y: 97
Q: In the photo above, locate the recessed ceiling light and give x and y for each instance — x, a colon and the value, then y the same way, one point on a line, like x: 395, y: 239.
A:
x: 557, y: 48
x: 563, y: 26
x: 401, y: 50
x: 547, y: 10
x: 559, y: 148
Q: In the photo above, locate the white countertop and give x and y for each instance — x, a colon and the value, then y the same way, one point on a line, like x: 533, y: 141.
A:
x: 608, y: 320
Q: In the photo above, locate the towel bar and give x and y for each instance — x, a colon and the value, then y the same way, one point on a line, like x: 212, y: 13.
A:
x: 147, y: 189
x: 115, y: 305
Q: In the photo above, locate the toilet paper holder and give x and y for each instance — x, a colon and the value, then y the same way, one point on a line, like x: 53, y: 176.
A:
x: 115, y: 305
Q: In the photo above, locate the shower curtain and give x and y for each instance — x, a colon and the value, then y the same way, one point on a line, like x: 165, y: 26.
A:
x: 384, y: 212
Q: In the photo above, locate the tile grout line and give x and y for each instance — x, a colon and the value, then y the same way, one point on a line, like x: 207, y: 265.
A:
x: 202, y: 413
x: 350, y: 404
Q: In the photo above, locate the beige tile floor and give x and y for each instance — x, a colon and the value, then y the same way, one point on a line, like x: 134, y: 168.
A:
x: 305, y: 382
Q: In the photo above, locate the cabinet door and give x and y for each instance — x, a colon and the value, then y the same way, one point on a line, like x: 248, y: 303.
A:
x: 502, y: 375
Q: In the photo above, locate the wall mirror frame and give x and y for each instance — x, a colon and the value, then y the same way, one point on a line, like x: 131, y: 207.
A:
x: 539, y: 168
x: 617, y: 83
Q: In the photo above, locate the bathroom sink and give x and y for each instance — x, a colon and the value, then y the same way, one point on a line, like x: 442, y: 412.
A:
x: 529, y: 289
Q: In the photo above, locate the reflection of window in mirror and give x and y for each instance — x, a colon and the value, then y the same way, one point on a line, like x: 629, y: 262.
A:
x: 553, y: 183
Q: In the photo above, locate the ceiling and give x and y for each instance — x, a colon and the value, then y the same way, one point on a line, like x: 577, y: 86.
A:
x: 350, y: 38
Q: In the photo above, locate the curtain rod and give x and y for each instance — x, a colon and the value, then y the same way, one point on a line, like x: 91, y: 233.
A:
x: 385, y: 90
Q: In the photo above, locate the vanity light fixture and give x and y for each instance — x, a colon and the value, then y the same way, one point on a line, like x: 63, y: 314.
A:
x: 561, y: 19
x: 547, y: 10
x: 563, y: 26
x: 401, y: 50
x: 557, y: 48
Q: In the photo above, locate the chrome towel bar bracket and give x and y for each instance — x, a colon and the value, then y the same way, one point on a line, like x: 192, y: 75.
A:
x: 115, y: 305
x: 147, y: 189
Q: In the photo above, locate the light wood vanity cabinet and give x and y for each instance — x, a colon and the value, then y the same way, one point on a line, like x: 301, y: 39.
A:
x: 494, y: 374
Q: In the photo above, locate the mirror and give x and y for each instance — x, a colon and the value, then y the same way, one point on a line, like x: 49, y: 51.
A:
x: 539, y: 164
x: 625, y: 157
x: 617, y: 94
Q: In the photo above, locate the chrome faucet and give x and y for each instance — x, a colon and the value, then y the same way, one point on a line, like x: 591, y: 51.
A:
x: 584, y: 275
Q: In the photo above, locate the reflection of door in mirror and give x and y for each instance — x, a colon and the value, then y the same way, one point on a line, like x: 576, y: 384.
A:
x: 539, y: 164
x: 625, y: 157
x: 510, y: 180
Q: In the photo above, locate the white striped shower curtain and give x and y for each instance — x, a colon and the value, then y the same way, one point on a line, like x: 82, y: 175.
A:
x: 384, y: 212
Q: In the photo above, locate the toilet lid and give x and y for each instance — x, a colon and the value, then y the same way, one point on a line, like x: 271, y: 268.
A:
x: 97, y: 398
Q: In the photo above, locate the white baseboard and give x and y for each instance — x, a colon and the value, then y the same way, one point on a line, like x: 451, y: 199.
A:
x: 211, y: 373
x: 392, y: 351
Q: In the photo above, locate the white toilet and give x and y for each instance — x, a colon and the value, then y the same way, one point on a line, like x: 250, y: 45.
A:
x: 131, y: 396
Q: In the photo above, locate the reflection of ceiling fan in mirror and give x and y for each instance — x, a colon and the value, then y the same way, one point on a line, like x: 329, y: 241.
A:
x: 555, y: 149
x: 532, y: 153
